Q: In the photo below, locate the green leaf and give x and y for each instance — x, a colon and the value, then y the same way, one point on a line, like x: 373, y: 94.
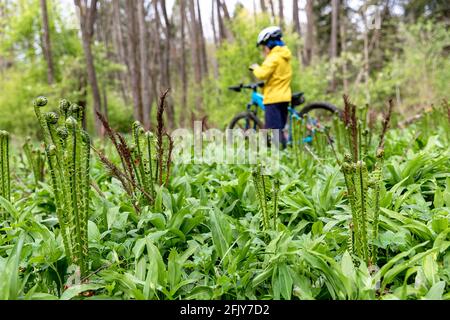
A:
x: 9, y: 208
x: 438, y: 201
x: 10, y: 281
x: 431, y: 269
x: 262, y: 276
x: 285, y: 281
x: 392, y: 273
x: 141, y: 268
x: 436, y: 291
x: 157, y: 263
x: 173, y: 268
x: 439, y: 223
x: 139, y: 247
x: 93, y: 232
x: 76, y: 290
x: 220, y: 231
x: 348, y: 269
x: 317, y: 228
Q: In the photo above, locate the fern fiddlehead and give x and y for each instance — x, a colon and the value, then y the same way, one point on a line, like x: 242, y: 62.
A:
x: 68, y: 157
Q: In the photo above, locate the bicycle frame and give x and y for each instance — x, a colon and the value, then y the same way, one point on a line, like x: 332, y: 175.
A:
x: 257, y: 101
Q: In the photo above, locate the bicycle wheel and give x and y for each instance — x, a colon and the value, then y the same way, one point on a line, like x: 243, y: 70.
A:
x: 317, y: 115
x: 320, y: 107
x: 246, y: 121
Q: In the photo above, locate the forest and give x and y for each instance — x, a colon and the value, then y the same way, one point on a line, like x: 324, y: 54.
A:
x: 100, y: 198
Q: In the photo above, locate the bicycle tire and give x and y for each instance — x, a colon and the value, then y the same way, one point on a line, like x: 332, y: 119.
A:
x: 244, y: 115
x: 320, y: 106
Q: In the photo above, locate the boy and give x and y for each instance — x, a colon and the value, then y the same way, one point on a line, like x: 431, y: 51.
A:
x: 276, y: 71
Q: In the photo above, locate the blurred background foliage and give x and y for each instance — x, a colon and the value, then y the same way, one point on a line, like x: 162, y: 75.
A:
x: 408, y: 61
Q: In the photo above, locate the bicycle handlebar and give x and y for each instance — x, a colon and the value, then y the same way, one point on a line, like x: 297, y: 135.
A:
x: 252, y: 86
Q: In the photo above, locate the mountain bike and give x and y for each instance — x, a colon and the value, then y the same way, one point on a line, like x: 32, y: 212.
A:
x: 312, y: 113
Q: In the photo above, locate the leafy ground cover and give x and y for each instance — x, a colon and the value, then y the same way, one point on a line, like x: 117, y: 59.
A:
x: 208, y: 234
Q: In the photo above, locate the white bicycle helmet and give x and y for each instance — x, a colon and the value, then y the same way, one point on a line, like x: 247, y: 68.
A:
x: 269, y: 33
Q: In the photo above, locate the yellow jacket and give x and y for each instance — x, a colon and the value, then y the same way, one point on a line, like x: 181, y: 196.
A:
x: 276, y: 71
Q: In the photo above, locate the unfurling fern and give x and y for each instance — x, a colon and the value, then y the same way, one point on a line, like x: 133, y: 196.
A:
x: 36, y: 160
x: 268, y: 195
x: 146, y: 162
x: 298, y: 134
x: 377, y: 180
x: 68, y: 150
x: 358, y: 182
x: 5, y: 177
x: 151, y: 159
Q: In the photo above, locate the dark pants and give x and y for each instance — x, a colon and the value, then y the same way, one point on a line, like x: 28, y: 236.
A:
x: 276, y: 118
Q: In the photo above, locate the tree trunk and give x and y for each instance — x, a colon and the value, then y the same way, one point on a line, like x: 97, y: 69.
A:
x: 195, y: 50
x: 309, y: 41
x: 343, y: 38
x: 226, y: 18
x: 147, y: 99
x: 281, y: 13
x: 118, y: 39
x: 167, y: 82
x: 87, y: 19
x: 133, y: 56
x: 272, y: 9
x: 184, y: 80
x: 221, y: 24
x: 213, y: 23
x: 296, y: 17
x: 103, y: 34
x: 47, y: 49
x: 202, y: 42
x: 226, y: 14
x: 263, y: 6
x: 297, y: 28
x: 366, y: 64
x: 333, y: 38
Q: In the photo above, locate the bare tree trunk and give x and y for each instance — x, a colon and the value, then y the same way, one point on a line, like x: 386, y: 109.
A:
x: 263, y: 6
x: 225, y: 34
x: 124, y: 81
x: 343, y: 37
x: 157, y: 57
x: 87, y: 19
x: 333, y: 38
x: 281, y: 12
x: 366, y: 64
x: 213, y: 23
x: 184, y: 80
x: 133, y: 56
x: 167, y: 83
x: 222, y: 34
x: 309, y: 41
x: 226, y: 14
x: 296, y: 17
x: 195, y: 55
x: 47, y: 44
x: 143, y: 53
x: 366, y: 58
x: 202, y: 42
x: 118, y: 31
x: 272, y: 9
x: 103, y: 34
x: 297, y: 28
